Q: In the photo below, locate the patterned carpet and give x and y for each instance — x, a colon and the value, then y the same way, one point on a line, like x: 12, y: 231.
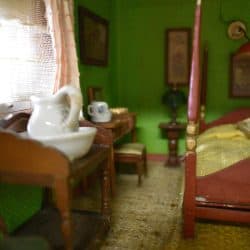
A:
x: 209, y: 235
x: 212, y: 236
x: 149, y: 217
x: 142, y: 217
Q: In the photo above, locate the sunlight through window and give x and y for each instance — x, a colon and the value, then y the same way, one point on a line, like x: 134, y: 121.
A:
x: 27, y: 59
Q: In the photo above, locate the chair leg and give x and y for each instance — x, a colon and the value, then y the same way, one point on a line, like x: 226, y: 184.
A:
x: 139, y: 172
x: 145, y: 164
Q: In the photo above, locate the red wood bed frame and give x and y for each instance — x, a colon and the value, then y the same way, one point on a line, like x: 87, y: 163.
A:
x: 226, y: 192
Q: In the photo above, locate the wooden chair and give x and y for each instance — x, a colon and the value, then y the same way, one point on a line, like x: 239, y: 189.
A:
x: 94, y: 94
x: 134, y: 153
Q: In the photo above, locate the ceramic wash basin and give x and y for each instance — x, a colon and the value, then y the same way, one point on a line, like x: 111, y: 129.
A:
x: 72, y: 144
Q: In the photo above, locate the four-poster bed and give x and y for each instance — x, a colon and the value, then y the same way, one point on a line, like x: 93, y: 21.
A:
x: 217, y: 194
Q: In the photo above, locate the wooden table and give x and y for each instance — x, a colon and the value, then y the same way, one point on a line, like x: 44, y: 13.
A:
x: 172, y: 131
x: 25, y: 161
x: 120, y: 125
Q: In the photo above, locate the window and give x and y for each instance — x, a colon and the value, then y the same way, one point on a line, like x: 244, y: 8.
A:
x: 27, y: 60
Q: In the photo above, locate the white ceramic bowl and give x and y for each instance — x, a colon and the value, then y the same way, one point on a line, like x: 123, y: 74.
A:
x: 72, y: 144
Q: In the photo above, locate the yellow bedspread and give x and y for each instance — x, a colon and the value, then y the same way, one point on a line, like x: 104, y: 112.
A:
x: 219, y: 147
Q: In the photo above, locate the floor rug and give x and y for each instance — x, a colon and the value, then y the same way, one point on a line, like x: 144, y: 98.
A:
x: 149, y: 217
x: 142, y: 217
x: 209, y: 235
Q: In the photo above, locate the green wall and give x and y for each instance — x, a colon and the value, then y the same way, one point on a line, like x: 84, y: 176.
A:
x: 135, y: 76
x: 94, y: 75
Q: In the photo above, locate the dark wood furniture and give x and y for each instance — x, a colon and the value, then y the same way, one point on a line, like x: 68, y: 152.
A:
x: 133, y: 153
x: 172, y: 131
x: 119, y: 126
x: 225, y: 193
x: 94, y: 94
x: 26, y: 161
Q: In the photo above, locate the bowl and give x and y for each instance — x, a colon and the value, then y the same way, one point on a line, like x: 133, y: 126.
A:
x: 72, y: 144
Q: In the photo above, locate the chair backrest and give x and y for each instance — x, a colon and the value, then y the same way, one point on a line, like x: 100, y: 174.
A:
x: 94, y: 94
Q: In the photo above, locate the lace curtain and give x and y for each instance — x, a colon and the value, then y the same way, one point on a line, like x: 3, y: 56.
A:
x: 60, y: 19
x: 37, y: 49
x: 27, y: 59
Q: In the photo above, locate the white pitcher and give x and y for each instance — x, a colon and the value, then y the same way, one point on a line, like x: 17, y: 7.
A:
x: 56, y: 114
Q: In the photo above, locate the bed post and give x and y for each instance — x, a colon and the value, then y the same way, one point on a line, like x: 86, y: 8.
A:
x: 203, y: 89
x: 192, y: 130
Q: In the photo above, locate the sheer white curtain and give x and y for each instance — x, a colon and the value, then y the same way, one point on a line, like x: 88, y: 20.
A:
x: 37, y: 49
x: 60, y: 20
x: 27, y: 59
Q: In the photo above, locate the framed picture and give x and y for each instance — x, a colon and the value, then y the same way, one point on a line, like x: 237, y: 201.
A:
x: 240, y: 76
x: 177, y: 56
x: 93, y: 38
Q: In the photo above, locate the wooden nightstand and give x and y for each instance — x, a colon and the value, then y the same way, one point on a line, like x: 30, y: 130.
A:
x: 172, y: 131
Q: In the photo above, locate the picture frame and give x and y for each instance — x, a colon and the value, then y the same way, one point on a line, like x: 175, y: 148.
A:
x: 93, y: 38
x: 177, y: 56
x: 239, y: 76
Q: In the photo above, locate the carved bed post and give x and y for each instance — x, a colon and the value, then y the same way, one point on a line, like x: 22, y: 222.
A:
x: 192, y: 130
x: 203, y: 89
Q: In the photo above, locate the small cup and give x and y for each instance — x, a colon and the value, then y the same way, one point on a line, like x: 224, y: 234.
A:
x: 99, y: 111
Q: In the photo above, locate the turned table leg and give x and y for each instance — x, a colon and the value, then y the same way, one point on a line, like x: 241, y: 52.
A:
x: 112, y: 171
x: 62, y: 199
x: 172, y: 131
x: 106, y: 212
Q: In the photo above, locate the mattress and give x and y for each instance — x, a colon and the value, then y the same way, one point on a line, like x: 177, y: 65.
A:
x: 220, y: 147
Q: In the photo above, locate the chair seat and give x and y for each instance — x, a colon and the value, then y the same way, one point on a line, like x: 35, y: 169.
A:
x: 133, y: 153
x: 130, y: 148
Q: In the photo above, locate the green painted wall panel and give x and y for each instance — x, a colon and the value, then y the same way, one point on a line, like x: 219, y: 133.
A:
x: 135, y: 75
x: 91, y: 75
x: 140, y: 53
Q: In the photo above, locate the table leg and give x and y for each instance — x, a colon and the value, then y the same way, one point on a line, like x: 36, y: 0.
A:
x: 172, y: 156
x: 112, y: 171
x: 62, y: 199
x: 106, y: 211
